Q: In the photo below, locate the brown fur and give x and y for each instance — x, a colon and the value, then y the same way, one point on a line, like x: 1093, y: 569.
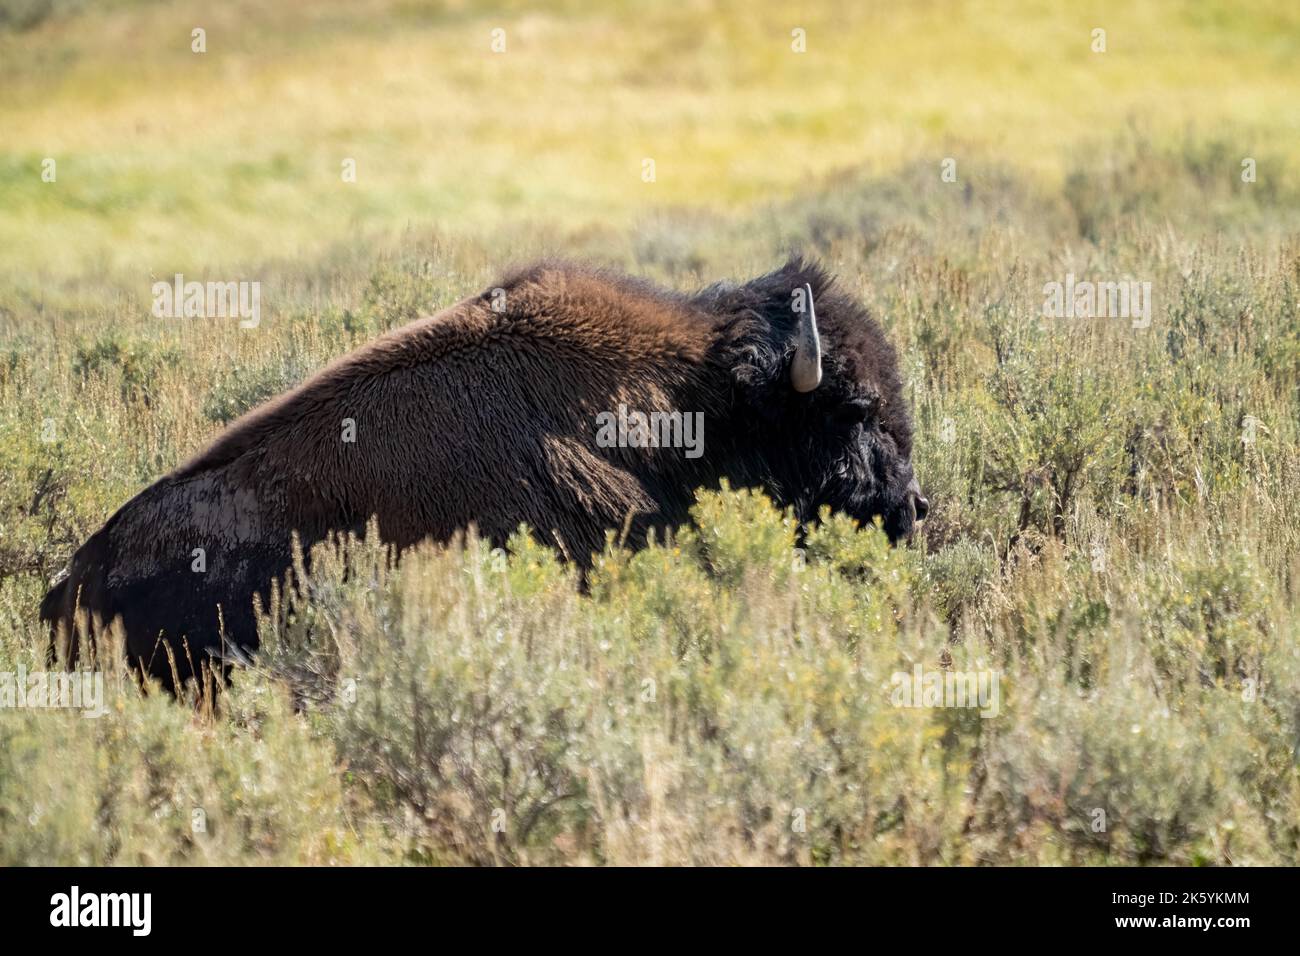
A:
x: 474, y: 416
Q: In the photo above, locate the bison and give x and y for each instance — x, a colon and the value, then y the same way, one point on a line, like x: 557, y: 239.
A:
x: 497, y: 412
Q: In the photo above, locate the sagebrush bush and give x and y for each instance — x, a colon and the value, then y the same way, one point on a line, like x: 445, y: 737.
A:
x: 151, y: 784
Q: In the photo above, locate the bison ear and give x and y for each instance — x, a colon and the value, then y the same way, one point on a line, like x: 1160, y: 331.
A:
x: 856, y: 411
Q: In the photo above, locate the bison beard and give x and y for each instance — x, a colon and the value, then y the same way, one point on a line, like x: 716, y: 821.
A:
x: 485, y: 414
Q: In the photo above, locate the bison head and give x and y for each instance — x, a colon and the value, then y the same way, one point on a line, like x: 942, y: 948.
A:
x: 819, y: 400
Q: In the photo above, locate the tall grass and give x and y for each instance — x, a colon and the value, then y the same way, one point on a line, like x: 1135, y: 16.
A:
x: 1109, y: 535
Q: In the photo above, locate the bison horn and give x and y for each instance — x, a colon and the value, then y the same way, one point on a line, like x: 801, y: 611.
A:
x: 806, y: 366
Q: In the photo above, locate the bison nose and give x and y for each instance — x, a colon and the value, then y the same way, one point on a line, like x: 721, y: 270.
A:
x: 920, y: 507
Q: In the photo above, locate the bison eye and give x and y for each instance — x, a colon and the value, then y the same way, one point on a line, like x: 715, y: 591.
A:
x: 854, y: 412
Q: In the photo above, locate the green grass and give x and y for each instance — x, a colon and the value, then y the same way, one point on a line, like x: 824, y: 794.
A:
x: 224, y: 159
x: 1110, y: 534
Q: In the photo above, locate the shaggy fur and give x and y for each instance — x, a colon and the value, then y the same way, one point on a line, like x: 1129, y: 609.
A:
x: 476, y: 416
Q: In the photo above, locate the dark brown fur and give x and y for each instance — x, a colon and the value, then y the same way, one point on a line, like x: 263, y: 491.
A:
x: 474, y: 416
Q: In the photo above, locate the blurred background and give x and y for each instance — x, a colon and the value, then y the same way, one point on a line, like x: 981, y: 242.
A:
x: 169, y: 159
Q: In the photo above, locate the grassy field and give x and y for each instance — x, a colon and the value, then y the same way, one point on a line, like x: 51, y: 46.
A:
x: 1113, y: 531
